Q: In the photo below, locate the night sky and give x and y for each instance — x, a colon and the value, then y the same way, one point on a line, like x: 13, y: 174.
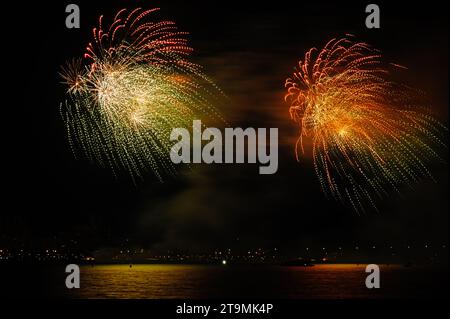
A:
x: 248, y: 49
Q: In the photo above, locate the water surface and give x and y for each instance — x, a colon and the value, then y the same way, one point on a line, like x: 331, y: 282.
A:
x: 206, y: 281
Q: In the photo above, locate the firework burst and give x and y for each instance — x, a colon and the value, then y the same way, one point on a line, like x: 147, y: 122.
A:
x: 368, y: 135
x: 133, y: 87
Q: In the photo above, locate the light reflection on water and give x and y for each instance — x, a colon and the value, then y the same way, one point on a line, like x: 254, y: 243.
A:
x: 207, y: 281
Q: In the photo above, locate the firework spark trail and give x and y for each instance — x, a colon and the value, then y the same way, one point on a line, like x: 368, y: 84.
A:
x: 369, y: 135
x: 135, y: 86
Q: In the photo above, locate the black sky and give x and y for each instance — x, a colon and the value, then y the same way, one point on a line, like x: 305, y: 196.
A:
x: 249, y: 49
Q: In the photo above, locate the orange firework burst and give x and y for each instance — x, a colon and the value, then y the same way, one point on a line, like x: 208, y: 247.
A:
x: 369, y: 135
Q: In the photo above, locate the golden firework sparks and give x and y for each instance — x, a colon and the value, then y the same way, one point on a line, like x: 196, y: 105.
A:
x: 136, y: 85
